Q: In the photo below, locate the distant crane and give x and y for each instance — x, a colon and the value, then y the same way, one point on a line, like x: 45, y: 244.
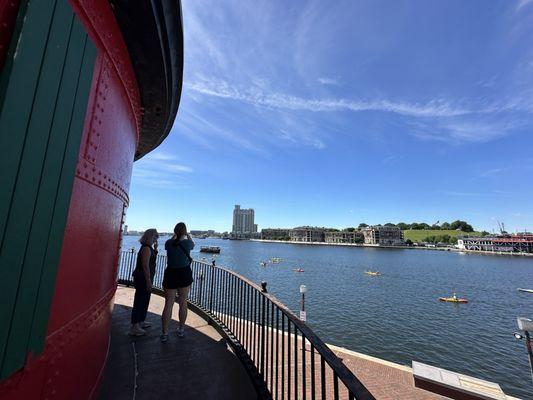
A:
x: 501, y: 226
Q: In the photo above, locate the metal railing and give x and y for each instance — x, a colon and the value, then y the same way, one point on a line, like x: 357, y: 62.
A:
x: 284, y: 357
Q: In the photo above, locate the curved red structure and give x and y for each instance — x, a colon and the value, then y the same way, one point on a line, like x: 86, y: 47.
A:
x: 56, y: 342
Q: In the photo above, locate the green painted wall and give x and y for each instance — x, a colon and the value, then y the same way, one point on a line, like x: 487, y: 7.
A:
x: 44, y: 99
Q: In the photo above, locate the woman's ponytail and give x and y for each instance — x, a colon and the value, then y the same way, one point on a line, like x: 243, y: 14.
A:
x: 179, y: 230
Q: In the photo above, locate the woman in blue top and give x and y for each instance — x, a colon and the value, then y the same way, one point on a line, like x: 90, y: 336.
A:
x: 177, y: 278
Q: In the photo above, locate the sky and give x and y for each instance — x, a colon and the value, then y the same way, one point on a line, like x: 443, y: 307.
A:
x: 332, y: 113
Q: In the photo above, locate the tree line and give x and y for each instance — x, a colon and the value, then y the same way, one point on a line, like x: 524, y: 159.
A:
x: 455, y: 225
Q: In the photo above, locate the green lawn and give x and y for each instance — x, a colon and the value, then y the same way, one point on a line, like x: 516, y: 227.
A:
x: 420, y: 235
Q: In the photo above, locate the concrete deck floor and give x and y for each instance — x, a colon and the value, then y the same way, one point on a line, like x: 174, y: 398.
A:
x: 199, y: 366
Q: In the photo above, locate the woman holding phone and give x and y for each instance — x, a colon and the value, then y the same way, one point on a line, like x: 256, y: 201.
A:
x: 177, y: 278
x: 143, y: 276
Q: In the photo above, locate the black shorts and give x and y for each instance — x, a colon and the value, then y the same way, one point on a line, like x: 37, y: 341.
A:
x: 175, y: 278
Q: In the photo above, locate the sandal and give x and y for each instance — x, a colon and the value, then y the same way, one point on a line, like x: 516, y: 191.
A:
x: 180, y: 332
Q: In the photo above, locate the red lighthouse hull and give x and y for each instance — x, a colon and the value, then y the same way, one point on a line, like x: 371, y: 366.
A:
x: 59, y: 307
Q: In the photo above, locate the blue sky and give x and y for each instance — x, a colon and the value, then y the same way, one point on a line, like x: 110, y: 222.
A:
x: 332, y: 113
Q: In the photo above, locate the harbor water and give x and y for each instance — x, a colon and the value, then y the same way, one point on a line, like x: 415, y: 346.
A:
x: 397, y: 316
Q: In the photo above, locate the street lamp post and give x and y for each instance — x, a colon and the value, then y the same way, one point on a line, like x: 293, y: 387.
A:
x: 526, y: 325
x: 303, y: 291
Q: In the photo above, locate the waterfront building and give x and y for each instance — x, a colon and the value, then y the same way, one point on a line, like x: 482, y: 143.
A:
x: 275, y: 234
x: 307, y: 234
x: 383, y: 235
x: 518, y: 243
x: 344, y: 237
x: 243, y: 223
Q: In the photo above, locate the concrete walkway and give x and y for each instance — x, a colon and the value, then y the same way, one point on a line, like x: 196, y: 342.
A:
x: 199, y: 366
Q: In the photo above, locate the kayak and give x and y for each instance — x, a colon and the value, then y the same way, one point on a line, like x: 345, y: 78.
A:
x: 525, y: 290
x: 373, y: 273
x: 453, y: 300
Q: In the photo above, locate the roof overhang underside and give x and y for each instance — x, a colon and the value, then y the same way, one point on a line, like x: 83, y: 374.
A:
x: 153, y: 32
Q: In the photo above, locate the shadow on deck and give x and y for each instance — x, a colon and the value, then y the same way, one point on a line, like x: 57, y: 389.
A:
x: 199, y: 366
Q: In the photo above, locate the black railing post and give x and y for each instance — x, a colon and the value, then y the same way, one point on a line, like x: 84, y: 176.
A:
x: 271, y: 347
x: 323, y: 377
x: 289, y: 359
x: 277, y: 351
x: 283, y: 357
x: 312, y: 372
x: 131, y: 266
x: 304, y: 393
x: 211, y: 288
x: 201, y: 279
x: 295, y: 362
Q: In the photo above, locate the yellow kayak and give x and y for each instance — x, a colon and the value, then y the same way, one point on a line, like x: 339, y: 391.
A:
x: 453, y: 300
x: 373, y: 273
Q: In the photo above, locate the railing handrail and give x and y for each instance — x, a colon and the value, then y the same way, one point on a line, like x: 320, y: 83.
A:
x: 354, y: 386
x: 347, y: 377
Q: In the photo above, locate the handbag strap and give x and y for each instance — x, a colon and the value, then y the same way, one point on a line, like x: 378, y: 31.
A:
x: 185, y: 252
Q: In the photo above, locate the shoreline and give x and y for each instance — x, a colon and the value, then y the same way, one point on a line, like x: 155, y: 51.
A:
x: 370, y: 246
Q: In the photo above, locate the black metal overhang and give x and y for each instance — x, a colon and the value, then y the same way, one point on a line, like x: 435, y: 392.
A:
x: 153, y: 32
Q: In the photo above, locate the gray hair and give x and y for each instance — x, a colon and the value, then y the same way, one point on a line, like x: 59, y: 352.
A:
x: 149, y: 237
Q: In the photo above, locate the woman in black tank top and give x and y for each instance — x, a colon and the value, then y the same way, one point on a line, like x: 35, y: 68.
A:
x: 143, y: 277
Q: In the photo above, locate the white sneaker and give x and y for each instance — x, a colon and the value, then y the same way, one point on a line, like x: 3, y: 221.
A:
x: 136, y: 331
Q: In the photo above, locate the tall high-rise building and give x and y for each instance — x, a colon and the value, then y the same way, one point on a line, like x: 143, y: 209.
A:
x: 243, y: 222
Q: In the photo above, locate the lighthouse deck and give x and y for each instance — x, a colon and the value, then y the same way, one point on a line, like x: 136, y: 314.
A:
x: 199, y: 366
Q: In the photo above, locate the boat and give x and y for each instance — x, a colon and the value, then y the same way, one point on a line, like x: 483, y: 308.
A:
x: 373, y: 273
x: 210, y: 249
x: 87, y: 88
x: 298, y: 270
x: 525, y: 290
x: 275, y: 260
x: 453, y: 299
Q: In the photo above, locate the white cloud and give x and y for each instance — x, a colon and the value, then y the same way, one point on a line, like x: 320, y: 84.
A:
x: 474, y: 194
x: 160, y: 156
x: 492, y: 172
x: 260, y: 98
x: 176, y: 168
x: 199, y: 125
x: 392, y: 159
x: 477, y: 128
x: 523, y: 3
x: 160, y: 170
x: 268, y: 73
x: 328, y: 81
x: 308, y: 140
